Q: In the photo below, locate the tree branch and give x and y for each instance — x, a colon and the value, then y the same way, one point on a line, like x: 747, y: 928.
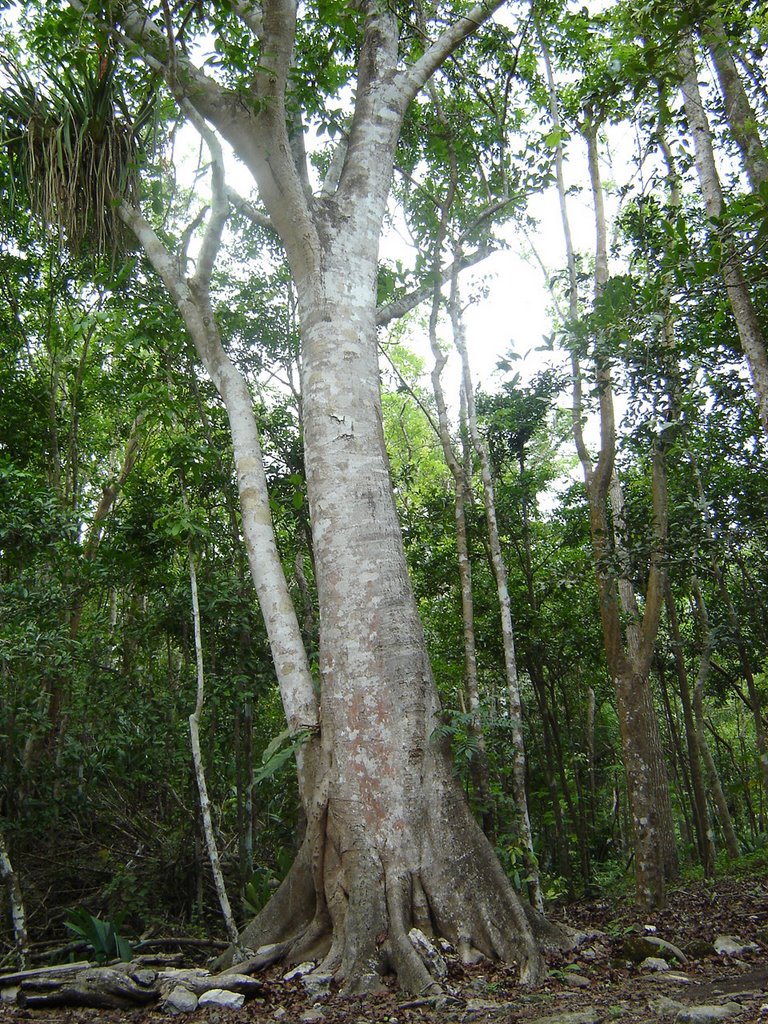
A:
x: 416, y: 76
x: 251, y: 16
x: 393, y: 310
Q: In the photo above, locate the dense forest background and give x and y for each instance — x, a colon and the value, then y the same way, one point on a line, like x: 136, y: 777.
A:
x: 116, y: 471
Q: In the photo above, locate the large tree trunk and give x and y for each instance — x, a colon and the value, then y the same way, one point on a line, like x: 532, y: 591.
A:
x: 390, y: 840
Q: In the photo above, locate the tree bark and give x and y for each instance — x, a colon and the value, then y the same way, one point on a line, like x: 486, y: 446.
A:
x: 628, y: 655
x: 701, y: 813
x: 390, y: 840
x: 753, y: 341
x: 461, y: 472
x: 514, y: 700
x: 740, y: 117
x: 479, y: 763
x: 705, y: 659
x: 192, y: 300
x: 197, y: 761
x: 16, y: 900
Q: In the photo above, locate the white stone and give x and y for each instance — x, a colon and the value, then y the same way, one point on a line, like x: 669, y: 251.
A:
x: 665, y: 1007
x: 486, y: 1007
x: 299, y: 971
x: 317, y: 986
x: 588, y: 1016
x: 434, y: 960
x: 221, y: 997
x: 312, y: 1015
x: 732, y: 945
x: 708, y: 1014
x: 654, y: 963
x: 180, y: 1000
x: 576, y: 980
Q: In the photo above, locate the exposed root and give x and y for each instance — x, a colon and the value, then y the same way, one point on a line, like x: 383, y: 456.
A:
x: 350, y: 901
x: 411, y: 970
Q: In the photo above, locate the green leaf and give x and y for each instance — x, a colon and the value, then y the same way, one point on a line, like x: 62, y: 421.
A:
x: 273, y: 765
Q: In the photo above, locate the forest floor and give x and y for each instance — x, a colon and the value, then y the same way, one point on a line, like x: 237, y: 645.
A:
x: 598, y: 982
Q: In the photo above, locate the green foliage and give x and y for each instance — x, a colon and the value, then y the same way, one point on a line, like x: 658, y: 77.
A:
x: 103, y: 937
x: 70, y: 155
x: 278, y: 752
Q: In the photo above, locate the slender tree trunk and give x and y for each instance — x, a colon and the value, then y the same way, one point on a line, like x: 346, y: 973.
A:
x: 755, y: 700
x: 461, y: 475
x: 677, y: 760
x: 742, y: 120
x: 479, y: 764
x: 628, y: 656
x: 750, y: 332
x: 552, y: 756
x: 193, y: 302
x: 505, y: 609
x: 16, y: 900
x: 703, y: 832
x: 705, y: 658
x: 197, y: 761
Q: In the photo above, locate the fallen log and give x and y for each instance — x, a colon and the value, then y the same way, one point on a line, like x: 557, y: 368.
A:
x: 180, y: 943
x: 123, y: 986
x: 55, y: 970
x: 117, y: 988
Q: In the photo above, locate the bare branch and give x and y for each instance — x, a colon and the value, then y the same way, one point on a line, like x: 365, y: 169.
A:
x: 418, y: 74
x: 333, y: 174
x: 390, y: 311
x: 247, y: 208
x: 219, y: 202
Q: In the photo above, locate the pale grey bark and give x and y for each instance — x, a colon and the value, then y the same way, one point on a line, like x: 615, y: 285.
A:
x: 461, y: 476
x: 197, y: 762
x: 16, y: 900
x: 742, y: 120
x: 193, y: 302
x: 751, y: 335
x: 461, y: 491
x: 390, y: 839
x: 514, y: 700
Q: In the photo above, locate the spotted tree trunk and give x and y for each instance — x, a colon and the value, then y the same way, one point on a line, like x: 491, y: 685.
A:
x: 390, y: 841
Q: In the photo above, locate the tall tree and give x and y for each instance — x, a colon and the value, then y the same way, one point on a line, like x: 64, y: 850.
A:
x: 390, y: 840
x: 629, y: 635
